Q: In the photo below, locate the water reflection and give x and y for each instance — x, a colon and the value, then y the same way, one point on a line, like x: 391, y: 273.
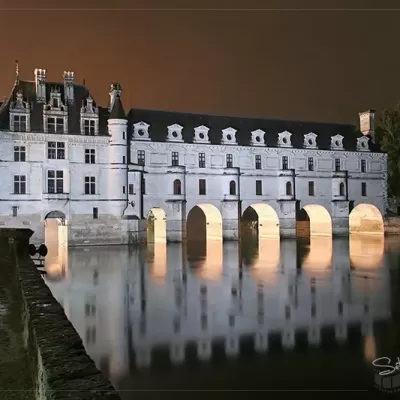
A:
x: 167, y: 305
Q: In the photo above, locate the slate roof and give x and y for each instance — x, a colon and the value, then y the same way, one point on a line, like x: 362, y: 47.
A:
x: 117, y: 111
x: 28, y: 90
x: 159, y: 120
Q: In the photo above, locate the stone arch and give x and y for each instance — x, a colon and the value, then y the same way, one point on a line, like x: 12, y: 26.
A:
x: 177, y: 186
x: 366, y: 219
x: 313, y: 220
x: 56, y: 241
x: 156, y: 225
x: 262, y: 219
x: 204, y: 223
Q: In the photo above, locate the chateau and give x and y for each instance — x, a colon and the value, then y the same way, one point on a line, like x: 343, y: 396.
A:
x: 113, y: 176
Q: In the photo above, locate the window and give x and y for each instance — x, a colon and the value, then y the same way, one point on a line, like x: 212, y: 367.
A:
x: 285, y: 162
x: 90, y: 127
x: 19, y: 123
x: 90, y: 185
x: 141, y: 160
x: 310, y: 164
x: 288, y: 188
x: 19, y: 184
x: 19, y: 153
x: 91, y: 335
x: 363, y: 189
x: 202, y: 160
x: 55, y: 181
x: 229, y: 161
x: 55, y: 125
x: 14, y: 211
x: 337, y: 164
x: 258, y: 162
x: 341, y: 189
x: 202, y: 186
x: 123, y: 135
x: 143, y: 186
x: 90, y: 156
x: 175, y: 159
x: 95, y: 213
x: 130, y: 188
x: 56, y: 150
x: 232, y: 188
x: 123, y: 160
x: 311, y: 191
x: 123, y: 189
x: 177, y: 186
x: 363, y: 166
x: 258, y: 188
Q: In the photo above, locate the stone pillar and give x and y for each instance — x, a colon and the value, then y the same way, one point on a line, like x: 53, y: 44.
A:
x: 340, y: 218
x: 287, y: 218
x: 175, y: 220
x: 230, y: 219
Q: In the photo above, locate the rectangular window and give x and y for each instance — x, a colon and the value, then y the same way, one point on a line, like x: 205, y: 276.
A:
x: 311, y: 191
x: 143, y: 186
x: 19, y: 123
x: 56, y: 150
x: 55, y: 181
x: 337, y: 164
x: 202, y: 186
x: 123, y: 189
x: 90, y: 127
x: 285, y: 162
x: 19, y: 153
x: 55, y: 125
x: 141, y: 160
x: 175, y: 159
x: 229, y: 161
x: 95, y: 213
x: 90, y: 185
x: 14, y: 211
x: 202, y: 160
x: 258, y: 162
x: 363, y: 189
x: 19, y: 184
x: 90, y: 156
x: 258, y: 188
x: 363, y: 166
x: 310, y: 164
x: 130, y: 188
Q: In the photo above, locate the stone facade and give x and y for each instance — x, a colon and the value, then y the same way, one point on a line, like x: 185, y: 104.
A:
x: 103, y: 170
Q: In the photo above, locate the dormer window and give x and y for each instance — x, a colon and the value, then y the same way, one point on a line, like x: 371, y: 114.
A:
x: 55, y: 114
x: 19, y: 123
x: 19, y: 114
x: 141, y: 131
x: 90, y: 127
x: 284, y: 139
x: 55, y: 103
x: 55, y: 125
x: 89, y: 117
x: 310, y: 141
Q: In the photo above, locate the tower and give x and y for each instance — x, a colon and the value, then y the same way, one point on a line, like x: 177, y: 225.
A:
x: 118, y: 166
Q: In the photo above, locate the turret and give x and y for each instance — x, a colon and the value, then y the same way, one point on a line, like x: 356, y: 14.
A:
x: 117, y: 128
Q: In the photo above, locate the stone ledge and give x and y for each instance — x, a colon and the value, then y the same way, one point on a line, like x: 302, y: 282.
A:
x: 62, y: 368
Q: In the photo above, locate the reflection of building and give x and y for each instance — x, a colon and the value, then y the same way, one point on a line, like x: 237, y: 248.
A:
x: 106, y: 170
x: 132, y: 315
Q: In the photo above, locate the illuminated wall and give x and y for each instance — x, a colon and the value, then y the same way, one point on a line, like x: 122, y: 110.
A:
x: 313, y: 220
x: 204, y: 222
x: 267, y: 221
x: 366, y: 219
x: 156, y: 226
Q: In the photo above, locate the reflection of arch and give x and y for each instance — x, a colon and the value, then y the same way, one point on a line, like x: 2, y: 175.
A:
x: 204, y: 222
x: 264, y: 266
x: 288, y: 188
x: 156, y: 226
x: 319, y: 255
x: 366, y: 219
x: 366, y: 252
x: 177, y: 186
x: 232, y: 188
x: 313, y: 220
x: 157, y: 259
x: 263, y: 218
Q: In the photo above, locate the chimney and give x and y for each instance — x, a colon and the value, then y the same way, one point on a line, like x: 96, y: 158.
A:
x: 114, y: 92
x: 367, y: 123
x: 40, y: 83
x: 68, y: 86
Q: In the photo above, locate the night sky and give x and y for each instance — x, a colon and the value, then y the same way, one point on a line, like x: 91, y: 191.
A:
x: 302, y: 65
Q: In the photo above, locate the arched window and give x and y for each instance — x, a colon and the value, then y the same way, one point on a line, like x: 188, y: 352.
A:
x: 341, y: 189
x: 232, y: 187
x: 288, y: 188
x: 177, y: 186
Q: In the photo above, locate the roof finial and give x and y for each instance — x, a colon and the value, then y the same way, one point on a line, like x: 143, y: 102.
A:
x: 17, y: 70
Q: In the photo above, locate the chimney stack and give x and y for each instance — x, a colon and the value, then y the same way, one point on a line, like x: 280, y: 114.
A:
x: 40, y: 83
x: 68, y: 86
x: 367, y: 123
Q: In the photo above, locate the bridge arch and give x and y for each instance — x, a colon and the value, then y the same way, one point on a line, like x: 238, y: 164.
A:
x: 262, y: 219
x: 366, y: 219
x: 156, y: 225
x: 313, y: 220
x: 204, y: 223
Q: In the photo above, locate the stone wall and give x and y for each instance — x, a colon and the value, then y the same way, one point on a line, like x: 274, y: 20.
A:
x: 61, y: 367
x: 392, y: 225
